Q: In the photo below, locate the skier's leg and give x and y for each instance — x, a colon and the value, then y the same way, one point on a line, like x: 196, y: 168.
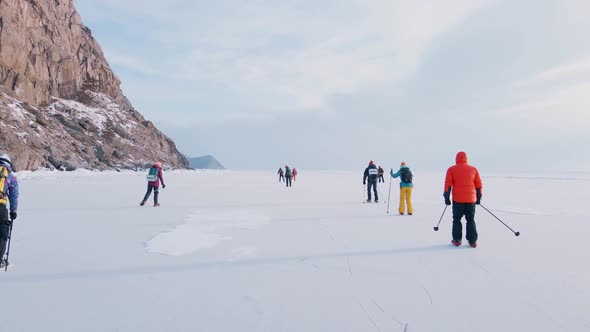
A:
x: 458, y: 212
x: 402, y: 200
x: 375, y: 191
x: 409, y: 200
x: 156, y: 193
x: 368, y: 191
x: 147, y: 194
x: 470, y: 225
x: 4, y: 229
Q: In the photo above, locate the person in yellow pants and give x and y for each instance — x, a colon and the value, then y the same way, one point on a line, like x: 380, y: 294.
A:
x: 406, y: 186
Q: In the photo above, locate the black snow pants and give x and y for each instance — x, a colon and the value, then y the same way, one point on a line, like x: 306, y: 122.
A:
x: 4, y: 229
x: 374, y: 185
x: 467, y: 210
x: 288, y: 180
x: 149, y: 192
x: 281, y: 178
x: 381, y: 179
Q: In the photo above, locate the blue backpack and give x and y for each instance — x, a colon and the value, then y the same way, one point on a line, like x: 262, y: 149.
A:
x: 152, y: 175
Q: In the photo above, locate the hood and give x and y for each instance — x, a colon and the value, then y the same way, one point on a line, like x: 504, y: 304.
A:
x: 6, y: 164
x: 461, y: 158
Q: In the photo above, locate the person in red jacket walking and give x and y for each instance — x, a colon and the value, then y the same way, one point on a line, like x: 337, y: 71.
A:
x: 464, y: 182
x: 294, y: 174
x: 154, y: 177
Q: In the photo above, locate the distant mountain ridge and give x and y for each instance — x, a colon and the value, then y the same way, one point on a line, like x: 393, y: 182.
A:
x: 204, y: 162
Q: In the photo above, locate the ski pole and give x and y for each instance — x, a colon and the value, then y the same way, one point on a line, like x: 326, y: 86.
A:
x: 380, y: 194
x: 8, y: 249
x: 363, y: 191
x: 389, y: 195
x: 490, y: 212
x: 441, y: 216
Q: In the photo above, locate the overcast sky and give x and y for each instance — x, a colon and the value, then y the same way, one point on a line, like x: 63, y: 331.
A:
x: 332, y: 84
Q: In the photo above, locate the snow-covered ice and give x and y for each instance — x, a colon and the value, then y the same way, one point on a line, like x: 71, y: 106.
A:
x: 237, y: 251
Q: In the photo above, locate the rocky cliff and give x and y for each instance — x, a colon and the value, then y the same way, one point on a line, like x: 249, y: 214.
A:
x: 61, y: 105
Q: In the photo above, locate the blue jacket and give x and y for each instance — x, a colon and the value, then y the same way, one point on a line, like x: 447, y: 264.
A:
x: 398, y: 174
x: 11, y: 188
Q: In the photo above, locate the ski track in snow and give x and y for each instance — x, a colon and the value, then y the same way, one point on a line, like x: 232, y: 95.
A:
x: 428, y: 293
x: 377, y: 304
x: 369, y: 316
x: 349, y: 268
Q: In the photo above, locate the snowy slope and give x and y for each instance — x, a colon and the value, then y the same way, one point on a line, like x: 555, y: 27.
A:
x: 232, y: 251
x: 93, y: 133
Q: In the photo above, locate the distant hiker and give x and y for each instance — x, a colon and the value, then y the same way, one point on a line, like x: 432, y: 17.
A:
x: 370, y: 175
x: 8, y: 194
x: 405, y: 188
x: 281, y: 175
x: 465, y: 184
x: 294, y: 174
x: 288, y: 176
x: 380, y: 173
x: 154, y: 177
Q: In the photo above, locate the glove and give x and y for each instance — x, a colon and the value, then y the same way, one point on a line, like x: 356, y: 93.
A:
x: 364, y: 183
x: 478, y: 201
x: 447, y: 198
x: 163, y: 186
x: 13, y: 215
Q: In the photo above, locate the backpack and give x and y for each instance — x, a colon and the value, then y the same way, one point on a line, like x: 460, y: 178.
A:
x: 373, y: 173
x: 152, y: 174
x: 3, y: 176
x: 406, y: 175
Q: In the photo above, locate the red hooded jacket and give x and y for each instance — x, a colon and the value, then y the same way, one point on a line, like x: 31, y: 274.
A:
x: 463, y: 179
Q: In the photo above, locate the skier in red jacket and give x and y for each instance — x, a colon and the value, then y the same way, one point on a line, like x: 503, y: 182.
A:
x: 464, y: 182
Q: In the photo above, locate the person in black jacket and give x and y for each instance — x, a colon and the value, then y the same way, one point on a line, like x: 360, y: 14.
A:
x: 281, y: 175
x: 288, y: 176
x: 371, y: 174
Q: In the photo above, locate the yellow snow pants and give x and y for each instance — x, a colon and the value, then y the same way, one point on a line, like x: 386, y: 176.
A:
x: 405, y: 197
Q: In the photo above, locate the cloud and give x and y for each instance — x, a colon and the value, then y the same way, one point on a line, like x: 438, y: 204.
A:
x: 577, y: 67
x: 565, y: 109
x: 133, y: 63
x: 557, y: 97
x: 285, y: 56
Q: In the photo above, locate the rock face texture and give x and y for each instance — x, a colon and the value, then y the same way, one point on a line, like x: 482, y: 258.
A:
x: 61, y: 105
